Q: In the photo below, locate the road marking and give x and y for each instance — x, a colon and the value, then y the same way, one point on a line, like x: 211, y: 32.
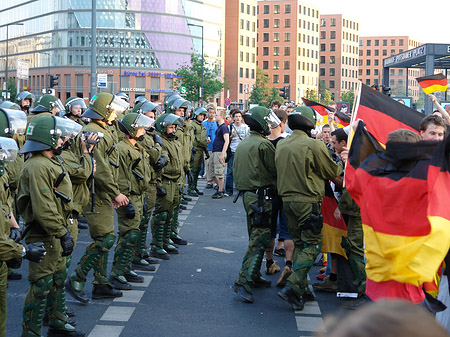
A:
x: 226, y: 251
x: 308, y: 323
x: 119, y: 314
x: 311, y: 308
x: 146, y: 283
x: 106, y: 331
x: 131, y: 296
x: 189, y: 207
x: 182, y: 217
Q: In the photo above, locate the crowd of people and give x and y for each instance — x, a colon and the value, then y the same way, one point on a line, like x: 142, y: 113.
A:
x: 61, y: 163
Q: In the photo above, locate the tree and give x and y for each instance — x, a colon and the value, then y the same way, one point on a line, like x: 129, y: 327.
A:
x: 348, y: 96
x: 312, y: 95
x: 12, y: 89
x: 262, y: 94
x: 191, y: 79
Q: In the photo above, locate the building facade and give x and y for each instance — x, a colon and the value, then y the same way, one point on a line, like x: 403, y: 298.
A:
x: 240, y: 46
x: 288, y: 45
x: 339, y: 39
x: 374, y: 49
x: 140, y: 43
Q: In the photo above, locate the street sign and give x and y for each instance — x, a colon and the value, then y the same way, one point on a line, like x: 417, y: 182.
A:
x: 22, y: 70
x: 227, y: 101
x: 182, y: 90
x: 102, y: 80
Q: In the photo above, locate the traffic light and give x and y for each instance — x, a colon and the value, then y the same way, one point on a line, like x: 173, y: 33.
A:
x: 285, y: 92
x: 52, y: 81
x: 386, y: 90
x: 375, y: 87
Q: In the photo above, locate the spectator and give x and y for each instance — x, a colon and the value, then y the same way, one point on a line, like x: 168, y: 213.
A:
x: 219, y: 151
x: 211, y: 128
x: 432, y: 128
x: 444, y: 113
x: 238, y: 131
x: 275, y: 105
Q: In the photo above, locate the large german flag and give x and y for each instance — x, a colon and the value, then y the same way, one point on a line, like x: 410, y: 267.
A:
x: 333, y: 229
x: 383, y: 114
x: 403, y: 194
x: 341, y: 119
x: 432, y: 83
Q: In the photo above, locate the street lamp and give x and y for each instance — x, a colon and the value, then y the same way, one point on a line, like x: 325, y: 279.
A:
x: 6, y: 67
x: 201, y: 89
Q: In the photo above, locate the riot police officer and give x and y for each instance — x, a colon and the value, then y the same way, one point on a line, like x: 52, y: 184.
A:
x: 75, y: 107
x: 25, y: 100
x: 47, y: 105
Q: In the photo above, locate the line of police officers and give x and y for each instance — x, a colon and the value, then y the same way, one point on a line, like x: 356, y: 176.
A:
x: 87, y: 163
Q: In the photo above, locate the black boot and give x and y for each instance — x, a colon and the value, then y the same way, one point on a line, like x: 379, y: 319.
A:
x: 105, y: 291
x: 198, y: 192
x: 52, y: 332
x: 288, y: 294
x: 78, y: 295
x: 240, y: 290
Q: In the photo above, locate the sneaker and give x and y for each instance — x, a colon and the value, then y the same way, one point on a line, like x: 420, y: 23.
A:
x: 209, y: 185
x: 321, y: 277
x: 326, y: 285
x: 273, y: 269
x: 284, y: 276
x: 279, y: 252
x: 217, y: 195
x: 226, y: 194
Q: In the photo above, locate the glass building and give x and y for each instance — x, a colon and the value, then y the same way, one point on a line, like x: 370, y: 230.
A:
x: 139, y: 43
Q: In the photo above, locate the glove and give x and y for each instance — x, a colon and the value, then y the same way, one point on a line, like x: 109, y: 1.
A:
x: 161, y: 192
x: 16, y: 234
x: 194, y: 150
x: 67, y: 244
x: 35, y: 251
x: 130, y: 212
x: 160, y: 164
x: 157, y: 139
x: 206, y: 155
x: 190, y: 177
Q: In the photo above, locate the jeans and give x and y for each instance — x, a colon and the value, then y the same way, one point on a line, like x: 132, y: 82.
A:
x: 229, y: 179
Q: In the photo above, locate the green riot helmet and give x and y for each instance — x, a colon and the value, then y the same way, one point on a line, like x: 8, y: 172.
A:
x: 200, y: 111
x: 302, y: 118
x: 48, y: 103
x: 256, y: 119
x: 75, y: 106
x: 21, y: 100
x: 8, y: 152
x: 169, y: 99
x: 123, y: 96
x: 140, y: 99
x: 145, y: 107
x: 132, y: 122
x: 10, y: 105
x: 103, y: 105
x: 43, y: 133
x: 12, y: 122
x: 180, y: 103
x: 166, y: 120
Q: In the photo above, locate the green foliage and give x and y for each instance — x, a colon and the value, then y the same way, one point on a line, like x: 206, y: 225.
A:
x: 263, y: 94
x: 324, y: 93
x: 12, y: 89
x: 348, y: 96
x: 191, y: 78
x: 312, y: 95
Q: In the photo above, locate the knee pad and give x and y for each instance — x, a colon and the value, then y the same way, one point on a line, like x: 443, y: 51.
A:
x: 105, y: 242
x: 60, y: 277
x: 131, y: 237
x: 42, y: 286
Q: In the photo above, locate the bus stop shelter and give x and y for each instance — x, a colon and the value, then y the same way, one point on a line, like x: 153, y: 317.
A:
x: 429, y: 56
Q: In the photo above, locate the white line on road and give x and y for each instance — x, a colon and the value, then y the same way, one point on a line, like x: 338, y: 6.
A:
x: 308, y: 323
x: 106, y: 331
x: 146, y: 283
x: 131, y: 296
x: 119, y: 314
x: 226, y: 251
x: 311, y: 308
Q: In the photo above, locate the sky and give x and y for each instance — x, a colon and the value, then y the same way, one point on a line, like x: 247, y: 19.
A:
x: 425, y: 22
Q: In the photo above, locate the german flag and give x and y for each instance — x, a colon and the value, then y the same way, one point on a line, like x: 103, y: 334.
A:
x: 333, y: 229
x: 432, y: 83
x: 403, y: 195
x: 341, y: 119
x: 383, y: 114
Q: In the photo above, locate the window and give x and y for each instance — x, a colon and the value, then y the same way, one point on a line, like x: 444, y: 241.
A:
x: 391, y: 72
x: 333, y: 22
x: 392, y: 42
x: 322, y: 72
x: 287, y: 8
x: 287, y: 37
x: 253, y: 73
x: 242, y: 8
x: 332, y: 71
x: 247, y: 72
x: 248, y: 25
x: 332, y: 59
x: 368, y: 52
x: 265, y: 37
x: 276, y: 23
x: 331, y: 85
x: 253, y: 58
x: 375, y: 72
x: 400, y: 72
x: 265, y: 51
x: 253, y: 42
x: 367, y: 62
x: 377, y: 43
x: 276, y: 79
x: 332, y: 47
x: 333, y: 34
x: 322, y: 59
x: 247, y: 57
x: 392, y: 51
x: 286, y: 78
x: 241, y: 56
x: 240, y: 88
x: 254, y: 10
x: 242, y: 24
x: 322, y: 47
x: 286, y: 65
x: 266, y: 9
x: 241, y: 40
x: 248, y: 9
x: 276, y: 37
x: 377, y: 52
x: 276, y: 9
x: 323, y: 23
x: 276, y: 51
x: 253, y: 27
x: 400, y: 42
x: 287, y: 51
x: 375, y: 62
x: 247, y: 41
x: 367, y: 72
x: 287, y: 23
x: 323, y: 34
x: 266, y: 23
x: 276, y: 65
x: 265, y: 65
x: 241, y: 72
x: 369, y: 43
x: 384, y: 52
x: 384, y: 42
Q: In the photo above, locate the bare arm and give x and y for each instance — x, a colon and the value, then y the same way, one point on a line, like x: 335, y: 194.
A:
x: 439, y: 107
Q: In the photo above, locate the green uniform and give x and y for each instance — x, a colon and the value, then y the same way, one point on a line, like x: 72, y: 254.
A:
x: 133, y: 170
x: 254, y: 164
x: 199, y: 148
x: 168, y: 179
x: 354, y: 242
x: 303, y: 164
x: 101, y: 223
x: 48, y: 218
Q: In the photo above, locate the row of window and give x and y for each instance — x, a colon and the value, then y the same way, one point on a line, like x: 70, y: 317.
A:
x: 287, y: 24
x: 346, y: 23
x: 287, y: 52
x: 345, y: 48
x: 246, y: 24
x: 288, y: 8
x: 287, y: 38
x: 376, y: 52
x: 345, y: 36
x: 305, y: 66
x: 384, y: 42
x: 247, y: 41
x: 248, y: 73
x: 248, y: 7
x: 247, y: 57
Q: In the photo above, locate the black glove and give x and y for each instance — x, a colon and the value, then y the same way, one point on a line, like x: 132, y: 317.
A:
x: 16, y: 234
x: 14, y: 264
x: 161, y: 192
x: 67, y: 244
x: 194, y: 150
x: 35, y: 251
x: 157, y: 139
x: 130, y: 212
x: 160, y: 164
x: 190, y: 177
x: 206, y: 155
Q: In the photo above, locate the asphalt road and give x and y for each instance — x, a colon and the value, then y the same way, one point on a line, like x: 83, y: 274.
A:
x: 190, y: 295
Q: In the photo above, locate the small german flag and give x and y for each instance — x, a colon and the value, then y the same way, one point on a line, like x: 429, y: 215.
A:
x: 432, y: 83
x: 341, y: 119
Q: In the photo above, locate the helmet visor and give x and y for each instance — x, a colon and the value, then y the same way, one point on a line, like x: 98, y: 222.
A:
x: 65, y: 127
x: 59, y: 106
x: 25, y: 95
x: 143, y: 121
x: 119, y: 105
x: 8, y: 149
x: 17, y: 121
x: 272, y: 120
x: 78, y: 103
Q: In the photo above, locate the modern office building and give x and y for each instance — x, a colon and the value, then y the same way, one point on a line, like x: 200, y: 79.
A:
x: 373, y: 50
x: 140, y: 43
x: 338, y: 63
x: 288, y: 45
x: 240, y: 46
